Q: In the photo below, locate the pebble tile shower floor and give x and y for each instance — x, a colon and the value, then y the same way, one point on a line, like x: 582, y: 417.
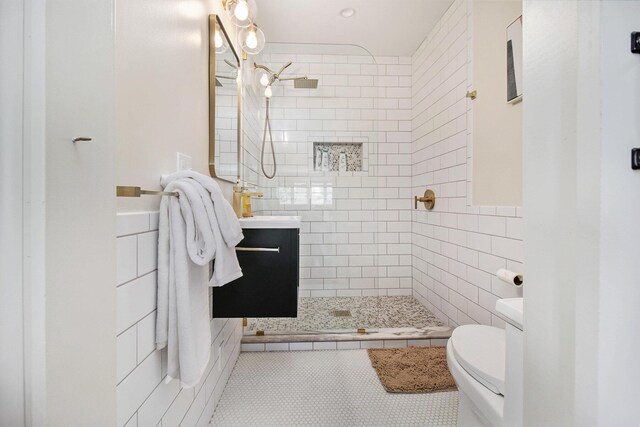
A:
x: 318, y: 314
x: 322, y: 388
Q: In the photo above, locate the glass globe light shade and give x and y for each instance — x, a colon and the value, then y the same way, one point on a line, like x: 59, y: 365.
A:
x: 243, y: 12
x: 252, y: 39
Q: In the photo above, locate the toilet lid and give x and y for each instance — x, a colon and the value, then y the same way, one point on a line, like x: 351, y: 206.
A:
x: 480, y: 350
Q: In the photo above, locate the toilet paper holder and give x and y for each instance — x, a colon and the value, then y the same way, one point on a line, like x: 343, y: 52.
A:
x: 429, y: 200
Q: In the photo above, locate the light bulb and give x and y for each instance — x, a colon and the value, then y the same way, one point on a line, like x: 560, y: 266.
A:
x: 268, y: 92
x: 241, y: 11
x: 218, y: 39
x: 239, y: 80
x: 264, y: 80
x: 251, y: 40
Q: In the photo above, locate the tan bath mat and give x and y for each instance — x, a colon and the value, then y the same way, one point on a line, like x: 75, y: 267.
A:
x: 412, y: 369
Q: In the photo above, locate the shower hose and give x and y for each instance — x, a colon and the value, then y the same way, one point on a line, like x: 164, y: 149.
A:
x: 267, y: 124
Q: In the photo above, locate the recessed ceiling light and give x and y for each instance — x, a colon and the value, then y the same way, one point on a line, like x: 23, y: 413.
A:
x: 348, y: 12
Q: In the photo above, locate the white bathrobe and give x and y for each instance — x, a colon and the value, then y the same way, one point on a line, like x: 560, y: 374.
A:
x: 190, y: 236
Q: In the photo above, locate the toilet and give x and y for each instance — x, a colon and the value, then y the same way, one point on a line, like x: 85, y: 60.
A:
x: 486, y: 364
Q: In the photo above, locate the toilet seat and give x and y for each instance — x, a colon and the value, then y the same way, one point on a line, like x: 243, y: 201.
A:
x: 480, y: 350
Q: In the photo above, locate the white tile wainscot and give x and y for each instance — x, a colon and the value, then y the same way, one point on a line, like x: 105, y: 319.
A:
x: 144, y: 399
x: 457, y: 247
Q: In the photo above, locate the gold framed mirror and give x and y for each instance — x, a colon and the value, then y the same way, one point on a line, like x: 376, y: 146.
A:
x: 224, y: 104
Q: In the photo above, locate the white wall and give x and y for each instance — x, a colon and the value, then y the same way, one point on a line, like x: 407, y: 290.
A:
x: 550, y: 148
x: 12, y: 405
x: 619, y: 316
x: 80, y: 209
x: 162, y: 104
x: 581, y: 298
x: 162, y: 59
x: 497, y: 125
x: 457, y: 247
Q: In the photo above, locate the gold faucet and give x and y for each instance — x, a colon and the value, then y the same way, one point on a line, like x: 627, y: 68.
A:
x: 242, y: 200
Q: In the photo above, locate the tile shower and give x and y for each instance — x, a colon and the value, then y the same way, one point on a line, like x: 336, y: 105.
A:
x: 360, y: 237
x: 356, y: 232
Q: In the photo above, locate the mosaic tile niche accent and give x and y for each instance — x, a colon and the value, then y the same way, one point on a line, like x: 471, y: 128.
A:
x: 353, y: 151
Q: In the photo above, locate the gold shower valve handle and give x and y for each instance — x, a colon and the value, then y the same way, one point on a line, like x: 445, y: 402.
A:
x: 429, y: 200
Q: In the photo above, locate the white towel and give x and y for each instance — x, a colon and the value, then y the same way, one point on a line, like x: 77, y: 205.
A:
x: 189, y: 237
x: 182, y: 323
x: 229, y: 224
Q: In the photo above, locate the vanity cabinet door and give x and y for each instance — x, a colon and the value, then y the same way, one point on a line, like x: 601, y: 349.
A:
x: 269, y: 285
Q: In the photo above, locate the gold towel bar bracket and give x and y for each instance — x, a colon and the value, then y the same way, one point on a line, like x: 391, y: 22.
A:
x: 429, y: 200
x: 129, y: 191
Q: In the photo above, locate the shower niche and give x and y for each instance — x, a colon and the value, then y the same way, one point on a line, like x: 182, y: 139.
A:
x: 337, y: 156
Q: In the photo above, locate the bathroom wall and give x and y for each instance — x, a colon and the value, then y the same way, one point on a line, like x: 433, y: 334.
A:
x: 497, y: 125
x: 457, y: 247
x: 162, y: 108
x: 355, y: 236
x: 12, y: 212
x: 162, y: 91
x: 143, y: 397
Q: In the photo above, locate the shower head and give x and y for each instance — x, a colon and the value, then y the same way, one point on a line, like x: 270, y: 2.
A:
x: 305, y: 83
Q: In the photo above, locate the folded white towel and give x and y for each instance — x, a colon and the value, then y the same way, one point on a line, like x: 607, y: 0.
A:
x: 190, y: 236
x: 229, y: 224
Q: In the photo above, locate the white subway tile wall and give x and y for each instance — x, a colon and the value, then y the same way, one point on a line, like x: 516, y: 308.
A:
x: 143, y: 398
x: 356, y: 232
x: 457, y: 247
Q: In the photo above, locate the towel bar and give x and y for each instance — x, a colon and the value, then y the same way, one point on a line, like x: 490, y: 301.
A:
x: 258, y: 249
x: 129, y: 191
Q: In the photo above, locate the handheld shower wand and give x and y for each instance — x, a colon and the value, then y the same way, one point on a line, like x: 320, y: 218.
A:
x: 267, y: 124
x: 272, y: 78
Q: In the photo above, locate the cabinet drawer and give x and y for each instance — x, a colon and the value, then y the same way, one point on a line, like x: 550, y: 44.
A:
x: 269, y: 259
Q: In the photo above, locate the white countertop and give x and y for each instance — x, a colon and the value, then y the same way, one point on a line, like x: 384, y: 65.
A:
x: 271, y: 222
x: 511, y: 310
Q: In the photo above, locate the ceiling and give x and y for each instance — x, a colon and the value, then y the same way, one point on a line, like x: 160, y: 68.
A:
x: 383, y: 27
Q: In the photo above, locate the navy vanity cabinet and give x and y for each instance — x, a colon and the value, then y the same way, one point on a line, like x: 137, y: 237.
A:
x: 269, y: 258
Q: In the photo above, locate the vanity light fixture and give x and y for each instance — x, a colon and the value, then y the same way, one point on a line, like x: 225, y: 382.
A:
x: 252, y: 39
x: 348, y: 12
x: 243, y: 12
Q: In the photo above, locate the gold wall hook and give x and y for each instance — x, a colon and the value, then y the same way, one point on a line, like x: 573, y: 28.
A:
x: 429, y: 200
x: 472, y: 94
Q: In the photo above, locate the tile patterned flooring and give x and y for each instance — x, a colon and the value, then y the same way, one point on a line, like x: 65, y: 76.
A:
x: 315, y: 315
x: 323, y: 388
